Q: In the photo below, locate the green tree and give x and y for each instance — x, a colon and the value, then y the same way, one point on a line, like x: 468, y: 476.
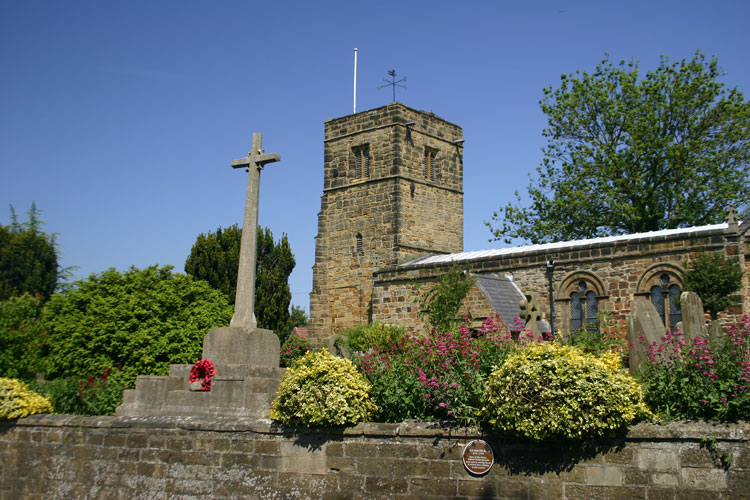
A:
x: 215, y: 259
x: 627, y: 154
x: 272, y: 294
x: 297, y: 317
x: 28, y: 258
x: 22, y: 337
x: 440, y: 304
x: 714, y: 278
x: 141, y: 320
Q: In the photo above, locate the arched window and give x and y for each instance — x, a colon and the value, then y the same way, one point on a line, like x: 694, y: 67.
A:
x: 665, y: 296
x: 584, y: 307
x: 581, y: 295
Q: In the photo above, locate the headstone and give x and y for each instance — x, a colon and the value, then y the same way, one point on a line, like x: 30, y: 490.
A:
x: 714, y: 328
x: 644, y: 328
x: 693, y: 317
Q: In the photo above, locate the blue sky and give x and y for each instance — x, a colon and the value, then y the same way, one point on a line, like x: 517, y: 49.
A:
x: 120, y: 119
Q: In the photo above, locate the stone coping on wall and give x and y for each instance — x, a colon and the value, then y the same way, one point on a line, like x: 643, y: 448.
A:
x: 645, y: 431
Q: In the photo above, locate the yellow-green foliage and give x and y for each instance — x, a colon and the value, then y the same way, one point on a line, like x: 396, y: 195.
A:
x: 549, y: 391
x: 322, y: 390
x: 18, y: 401
x: 364, y: 337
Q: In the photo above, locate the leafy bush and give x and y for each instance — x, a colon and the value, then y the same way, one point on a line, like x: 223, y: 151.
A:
x: 18, y: 401
x: 714, y: 278
x: 22, y: 337
x: 322, y: 390
x: 142, y: 320
x: 365, y: 337
x: 603, y: 339
x: 441, y: 303
x: 440, y: 376
x: 65, y: 395
x: 548, y: 391
x: 293, y: 349
x: 702, y: 379
x: 99, y: 395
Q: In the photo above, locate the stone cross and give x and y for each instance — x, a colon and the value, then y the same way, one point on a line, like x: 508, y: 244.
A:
x: 244, y: 302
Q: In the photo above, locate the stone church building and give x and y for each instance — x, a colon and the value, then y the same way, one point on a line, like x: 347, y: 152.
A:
x: 392, y: 216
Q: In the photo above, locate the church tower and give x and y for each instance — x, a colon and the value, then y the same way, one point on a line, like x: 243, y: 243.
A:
x: 393, y: 190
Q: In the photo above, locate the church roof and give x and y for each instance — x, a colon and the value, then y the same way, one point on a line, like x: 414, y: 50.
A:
x: 560, y: 245
x: 503, y: 295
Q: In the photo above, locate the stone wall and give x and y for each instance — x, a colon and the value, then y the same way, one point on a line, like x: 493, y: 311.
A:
x: 60, y: 457
x: 385, y: 213
x: 618, y: 272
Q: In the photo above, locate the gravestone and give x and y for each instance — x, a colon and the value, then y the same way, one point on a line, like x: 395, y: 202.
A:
x: 714, y: 328
x: 245, y: 357
x: 644, y: 328
x: 693, y: 317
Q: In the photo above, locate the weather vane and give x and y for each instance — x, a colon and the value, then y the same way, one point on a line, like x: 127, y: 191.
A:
x: 392, y: 82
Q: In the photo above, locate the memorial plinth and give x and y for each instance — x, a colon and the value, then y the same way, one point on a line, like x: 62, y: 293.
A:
x: 247, y: 377
x: 245, y: 357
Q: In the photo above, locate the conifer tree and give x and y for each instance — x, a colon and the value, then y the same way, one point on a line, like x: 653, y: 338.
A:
x: 215, y: 258
x: 28, y: 258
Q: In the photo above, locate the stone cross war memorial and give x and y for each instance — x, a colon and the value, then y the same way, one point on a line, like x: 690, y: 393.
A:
x: 245, y: 357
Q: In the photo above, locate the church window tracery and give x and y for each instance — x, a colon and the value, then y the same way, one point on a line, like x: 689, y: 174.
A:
x: 665, y: 297
x: 584, y: 308
x: 661, y: 284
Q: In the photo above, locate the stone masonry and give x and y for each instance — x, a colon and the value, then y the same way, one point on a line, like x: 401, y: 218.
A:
x: 393, y: 180
x: 387, y: 222
x: 619, y: 270
x: 64, y: 456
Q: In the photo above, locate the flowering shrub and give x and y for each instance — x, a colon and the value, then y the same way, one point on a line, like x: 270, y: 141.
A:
x: 293, y: 349
x: 550, y: 391
x: 320, y: 390
x: 702, y: 379
x: 95, y: 395
x: 440, y: 376
x: 18, y: 401
x: 204, y: 371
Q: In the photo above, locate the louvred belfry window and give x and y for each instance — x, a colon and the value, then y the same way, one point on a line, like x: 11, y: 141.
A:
x: 430, y: 166
x: 361, y: 162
